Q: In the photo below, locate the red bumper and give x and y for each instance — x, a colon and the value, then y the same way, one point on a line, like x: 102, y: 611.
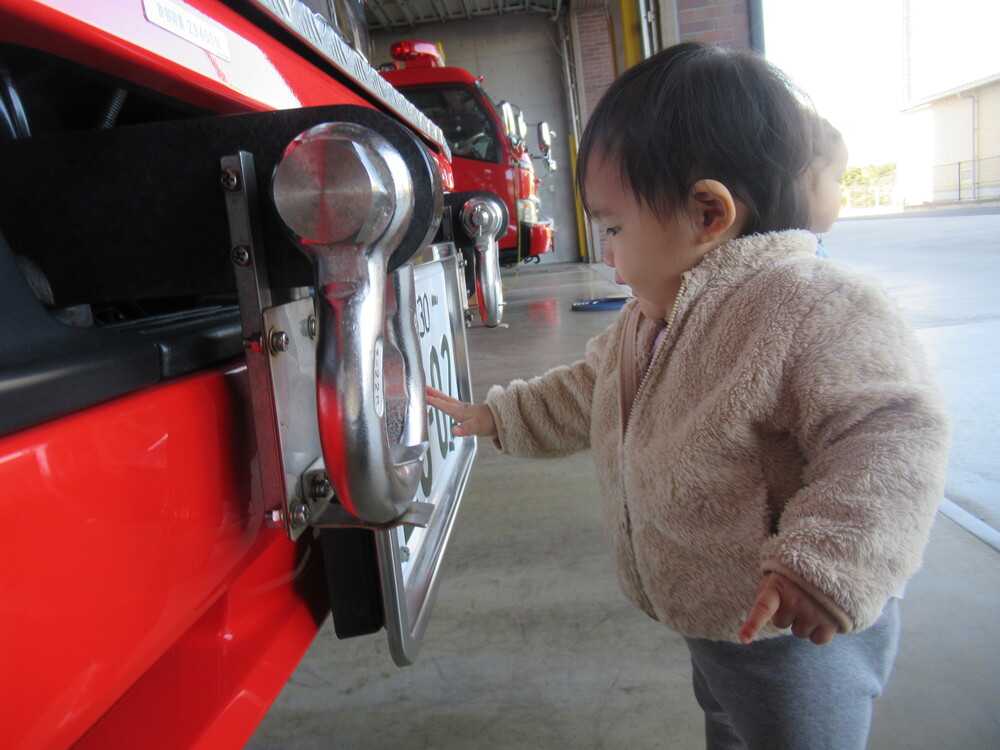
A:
x: 540, y: 238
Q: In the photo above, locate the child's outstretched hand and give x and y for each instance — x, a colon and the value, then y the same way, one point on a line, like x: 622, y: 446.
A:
x: 473, y: 419
x: 785, y: 603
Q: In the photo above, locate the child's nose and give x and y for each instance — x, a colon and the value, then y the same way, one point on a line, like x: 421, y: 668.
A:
x: 609, y: 258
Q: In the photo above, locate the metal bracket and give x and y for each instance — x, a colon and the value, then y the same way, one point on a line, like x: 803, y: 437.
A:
x: 317, y: 483
x: 281, y: 361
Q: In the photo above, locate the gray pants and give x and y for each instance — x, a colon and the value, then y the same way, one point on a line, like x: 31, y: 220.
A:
x: 786, y: 693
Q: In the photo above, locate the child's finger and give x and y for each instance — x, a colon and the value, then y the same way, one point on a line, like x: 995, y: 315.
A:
x: 471, y: 419
x: 434, y: 393
x: 443, y: 402
x: 822, y: 635
x: 456, y: 412
x: 768, y: 602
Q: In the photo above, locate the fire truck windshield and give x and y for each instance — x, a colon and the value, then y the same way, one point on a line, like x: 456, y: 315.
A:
x: 465, y: 125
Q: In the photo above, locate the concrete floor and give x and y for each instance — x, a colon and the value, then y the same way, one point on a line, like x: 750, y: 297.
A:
x: 532, y: 645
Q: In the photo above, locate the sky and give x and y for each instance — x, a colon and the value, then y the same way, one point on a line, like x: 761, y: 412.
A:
x: 848, y: 55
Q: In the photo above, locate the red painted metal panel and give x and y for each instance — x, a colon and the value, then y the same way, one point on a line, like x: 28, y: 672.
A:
x: 410, y: 76
x: 135, y: 529
x: 116, y: 37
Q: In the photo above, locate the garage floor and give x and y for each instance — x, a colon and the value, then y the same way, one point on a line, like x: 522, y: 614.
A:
x: 533, y: 646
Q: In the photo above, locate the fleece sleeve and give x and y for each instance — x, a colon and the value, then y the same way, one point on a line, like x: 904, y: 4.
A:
x: 874, y: 430
x: 549, y: 415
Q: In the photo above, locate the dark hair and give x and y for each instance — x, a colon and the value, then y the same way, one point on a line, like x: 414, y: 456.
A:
x: 696, y: 112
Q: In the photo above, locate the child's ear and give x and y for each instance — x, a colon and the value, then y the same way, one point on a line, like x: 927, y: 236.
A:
x: 713, y: 209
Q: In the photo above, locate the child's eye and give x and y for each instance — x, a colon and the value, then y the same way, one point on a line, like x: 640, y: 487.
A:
x: 612, y: 231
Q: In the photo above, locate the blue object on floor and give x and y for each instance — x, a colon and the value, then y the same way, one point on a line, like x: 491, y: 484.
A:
x: 601, y: 303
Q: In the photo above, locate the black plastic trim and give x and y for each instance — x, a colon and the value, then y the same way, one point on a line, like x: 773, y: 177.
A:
x: 192, y: 339
x: 352, y: 576
x: 48, y: 368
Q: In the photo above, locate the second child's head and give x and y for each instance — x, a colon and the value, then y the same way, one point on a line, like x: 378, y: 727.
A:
x: 694, y: 112
x: 826, y: 174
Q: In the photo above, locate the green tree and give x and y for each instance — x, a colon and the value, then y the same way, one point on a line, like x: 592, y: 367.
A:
x: 869, y: 186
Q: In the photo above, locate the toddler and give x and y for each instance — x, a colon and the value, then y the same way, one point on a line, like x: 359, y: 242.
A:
x: 769, y: 446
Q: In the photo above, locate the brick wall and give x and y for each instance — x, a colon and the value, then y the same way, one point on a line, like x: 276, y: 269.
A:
x: 597, y: 58
x: 722, y: 22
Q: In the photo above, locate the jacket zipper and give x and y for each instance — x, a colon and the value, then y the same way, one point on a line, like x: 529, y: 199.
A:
x: 666, y: 332
x: 645, y: 377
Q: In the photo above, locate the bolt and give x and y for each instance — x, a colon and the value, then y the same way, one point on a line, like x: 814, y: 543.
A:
x: 241, y: 255
x: 313, y: 326
x: 231, y: 180
x: 280, y: 342
x: 321, y: 488
x: 300, y: 514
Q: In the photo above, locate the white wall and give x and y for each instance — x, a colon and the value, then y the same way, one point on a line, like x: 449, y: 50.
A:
x: 915, y: 168
x: 518, y: 56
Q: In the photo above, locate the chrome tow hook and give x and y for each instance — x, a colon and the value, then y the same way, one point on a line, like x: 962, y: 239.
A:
x: 484, y: 219
x: 346, y: 195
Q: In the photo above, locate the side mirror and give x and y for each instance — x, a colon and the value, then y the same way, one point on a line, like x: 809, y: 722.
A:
x: 545, y: 138
x: 514, y: 126
x: 522, y: 126
x: 509, y: 120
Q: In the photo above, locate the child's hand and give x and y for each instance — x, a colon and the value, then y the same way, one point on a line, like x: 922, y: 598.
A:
x: 785, y: 603
x: 473, y: 419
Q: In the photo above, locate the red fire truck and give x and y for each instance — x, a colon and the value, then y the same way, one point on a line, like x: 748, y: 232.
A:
x: 224, y: 281
x: 488, y: 142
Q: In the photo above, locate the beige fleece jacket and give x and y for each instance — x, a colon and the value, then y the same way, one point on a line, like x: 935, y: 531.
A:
x: 786, y: 422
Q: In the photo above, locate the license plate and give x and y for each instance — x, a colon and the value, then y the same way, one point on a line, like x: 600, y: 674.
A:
x: 410, y: 557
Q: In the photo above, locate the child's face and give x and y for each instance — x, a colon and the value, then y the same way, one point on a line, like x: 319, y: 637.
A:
x: 648, y: 254
x: 824, y: 204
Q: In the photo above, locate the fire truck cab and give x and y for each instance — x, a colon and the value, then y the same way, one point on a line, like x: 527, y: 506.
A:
x: 488, y: 141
